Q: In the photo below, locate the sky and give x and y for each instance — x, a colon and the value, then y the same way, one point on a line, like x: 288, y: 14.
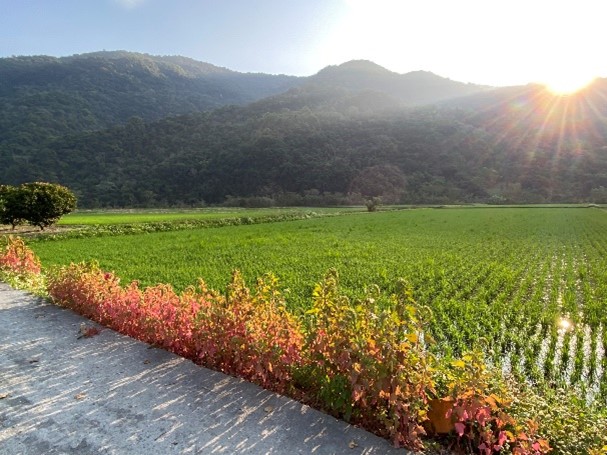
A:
x: 511, y: 42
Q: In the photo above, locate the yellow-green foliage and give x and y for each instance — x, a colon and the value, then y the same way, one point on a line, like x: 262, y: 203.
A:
x: 368, y: 364
x: 19, y: 266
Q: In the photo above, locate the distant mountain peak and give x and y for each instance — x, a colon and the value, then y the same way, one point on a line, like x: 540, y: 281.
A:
x: 422, y: 74
x: 359, y: 65
x: 413, y: 88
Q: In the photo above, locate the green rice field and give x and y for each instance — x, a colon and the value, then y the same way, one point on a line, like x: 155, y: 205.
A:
x: 530, y: 284
x: 106, y: 217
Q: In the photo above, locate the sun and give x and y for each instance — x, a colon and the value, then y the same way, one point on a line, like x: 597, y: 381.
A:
x: 567, y: 83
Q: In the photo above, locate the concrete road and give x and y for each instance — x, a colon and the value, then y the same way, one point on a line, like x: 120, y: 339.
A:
x: 110, y: 394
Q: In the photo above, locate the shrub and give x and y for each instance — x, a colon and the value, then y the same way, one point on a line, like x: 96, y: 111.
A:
x: 368, y: 364
x: 19, y: 266
x: 250, y: 335
x: 16, y: 257
x: 372, y: 204
x: 481, y: 411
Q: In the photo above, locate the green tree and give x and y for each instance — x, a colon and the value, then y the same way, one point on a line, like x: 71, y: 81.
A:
x: 373, y: 203
x: 11, y: 202
x: 43, y: 204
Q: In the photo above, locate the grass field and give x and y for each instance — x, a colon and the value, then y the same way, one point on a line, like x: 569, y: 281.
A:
x: 531, y: 282
x: 106, y: 217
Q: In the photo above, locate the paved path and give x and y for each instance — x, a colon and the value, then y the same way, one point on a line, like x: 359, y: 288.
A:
x: 110, y: 394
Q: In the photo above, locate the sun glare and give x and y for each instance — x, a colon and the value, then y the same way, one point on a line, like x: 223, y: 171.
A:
x: 565, y: 324
x: 567, y: 84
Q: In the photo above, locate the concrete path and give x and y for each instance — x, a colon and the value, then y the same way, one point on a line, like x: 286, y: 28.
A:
x: 110, y: 394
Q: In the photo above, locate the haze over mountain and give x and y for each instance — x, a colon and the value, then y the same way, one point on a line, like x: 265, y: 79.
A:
x: 46, y: 97
x: 351, y: 131
x: 414, y: 88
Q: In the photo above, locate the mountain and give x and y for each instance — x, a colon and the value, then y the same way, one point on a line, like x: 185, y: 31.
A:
x: 360, y: 86
x: 44, y: 97
x: 412, y: 89
x: 349, y: 132
x: 519, y: 145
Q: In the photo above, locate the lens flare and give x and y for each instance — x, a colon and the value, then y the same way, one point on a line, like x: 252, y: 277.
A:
x: 565, y: 324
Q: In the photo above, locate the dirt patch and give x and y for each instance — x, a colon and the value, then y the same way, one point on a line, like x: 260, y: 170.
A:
x: 32, y: 231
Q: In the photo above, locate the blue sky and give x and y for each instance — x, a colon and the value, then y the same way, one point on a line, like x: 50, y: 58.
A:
x: 275, y: 36
x: 484, y: 41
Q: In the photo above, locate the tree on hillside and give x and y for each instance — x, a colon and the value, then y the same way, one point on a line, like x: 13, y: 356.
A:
x: 40, y: 204
x: 381, y: 181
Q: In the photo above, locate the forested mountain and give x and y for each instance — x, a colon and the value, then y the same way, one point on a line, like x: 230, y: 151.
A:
x: 42, y: 97
x: 347, y: 133
x: 306, y: 146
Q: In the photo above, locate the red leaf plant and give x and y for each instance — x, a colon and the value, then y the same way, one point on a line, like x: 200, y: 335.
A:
x: 244, y: 334
x: 17, y: 258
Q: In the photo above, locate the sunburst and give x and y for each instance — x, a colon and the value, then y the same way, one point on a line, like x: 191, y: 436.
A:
x: 568, y: 83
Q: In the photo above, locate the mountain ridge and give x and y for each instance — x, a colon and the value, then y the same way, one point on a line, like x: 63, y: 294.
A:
x: 133, y: 135
x: 46, y: 97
